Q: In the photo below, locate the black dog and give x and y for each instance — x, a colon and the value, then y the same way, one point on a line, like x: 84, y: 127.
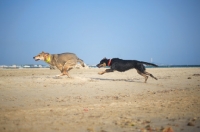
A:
x: 124, y: 65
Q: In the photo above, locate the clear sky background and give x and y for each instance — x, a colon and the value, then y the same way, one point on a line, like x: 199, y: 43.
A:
x: 166, y: 30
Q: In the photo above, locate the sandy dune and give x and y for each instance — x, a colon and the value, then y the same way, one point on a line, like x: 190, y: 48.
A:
x: 34, y: 100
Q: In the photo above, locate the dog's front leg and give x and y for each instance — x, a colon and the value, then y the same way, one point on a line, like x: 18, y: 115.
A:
x: 107, y: 70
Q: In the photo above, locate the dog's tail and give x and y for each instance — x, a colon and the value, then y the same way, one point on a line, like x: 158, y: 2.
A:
x: 81, y: 62
x: 147, y: 63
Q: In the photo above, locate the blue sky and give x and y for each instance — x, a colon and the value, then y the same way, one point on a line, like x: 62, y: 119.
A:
x: 166, y: 30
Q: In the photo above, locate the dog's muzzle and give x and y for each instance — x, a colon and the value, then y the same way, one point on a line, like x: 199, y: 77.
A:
x: 36, y: 59
x: 98, y: 65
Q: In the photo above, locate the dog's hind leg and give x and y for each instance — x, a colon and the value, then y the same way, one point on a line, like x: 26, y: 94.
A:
x: 65, y: 72
x: 64, y: 69
x: 150, y: 75
x: 60, y: 67
x: 67, y: 67
x: 142, y: 74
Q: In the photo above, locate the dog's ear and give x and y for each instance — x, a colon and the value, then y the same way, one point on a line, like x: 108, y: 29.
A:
x: 46, y: 54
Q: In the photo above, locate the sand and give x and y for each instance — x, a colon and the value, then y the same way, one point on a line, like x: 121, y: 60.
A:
x: 33, y: 100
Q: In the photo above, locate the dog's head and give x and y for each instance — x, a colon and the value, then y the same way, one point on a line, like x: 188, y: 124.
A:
x: 103, y: 63
x: 41, y: 56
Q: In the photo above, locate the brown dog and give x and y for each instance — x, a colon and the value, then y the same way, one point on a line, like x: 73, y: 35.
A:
x: 64, y: 62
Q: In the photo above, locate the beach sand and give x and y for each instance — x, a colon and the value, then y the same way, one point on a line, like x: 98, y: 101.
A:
x: 33, y: 100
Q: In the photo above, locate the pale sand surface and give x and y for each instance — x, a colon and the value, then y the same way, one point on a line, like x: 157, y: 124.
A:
x: 33, y: 100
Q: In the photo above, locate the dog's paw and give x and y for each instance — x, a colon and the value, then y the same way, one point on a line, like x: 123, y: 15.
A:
x: 100, y: 73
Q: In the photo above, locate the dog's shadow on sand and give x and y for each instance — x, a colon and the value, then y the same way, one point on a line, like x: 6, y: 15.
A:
x: 108, y: 79
x: 98, y: 79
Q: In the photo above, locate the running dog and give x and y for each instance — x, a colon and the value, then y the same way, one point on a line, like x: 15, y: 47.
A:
x: 64, y: 61
x: 124, y: 65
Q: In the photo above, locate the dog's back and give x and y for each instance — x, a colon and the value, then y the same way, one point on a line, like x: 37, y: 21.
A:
x: 123, y: 65
x: 67, y: 57
x: 64, y: 57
